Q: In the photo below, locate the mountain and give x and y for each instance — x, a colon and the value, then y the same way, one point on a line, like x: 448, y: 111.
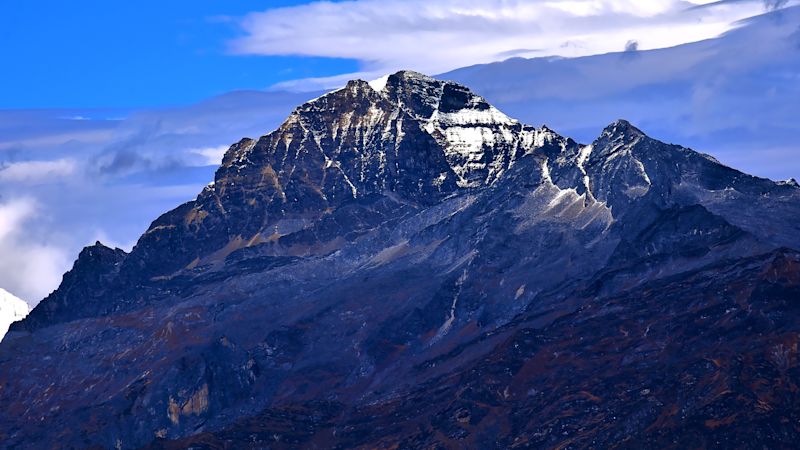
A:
x: 401, y: 265
x: 12, y: 309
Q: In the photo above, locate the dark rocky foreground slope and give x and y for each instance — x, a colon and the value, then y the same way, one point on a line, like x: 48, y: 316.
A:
x: 403, y: 266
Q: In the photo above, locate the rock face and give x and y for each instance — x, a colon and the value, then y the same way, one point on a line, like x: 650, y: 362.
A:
x: 12, y: 309
x: 402, y: 265
x: 83, y: 290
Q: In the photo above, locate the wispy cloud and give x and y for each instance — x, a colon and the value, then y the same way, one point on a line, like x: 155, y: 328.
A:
x: 39, y: 265
x: 433, y: 37
x: 209, y: 156
x: 37, y: 171
x: 47, y: 138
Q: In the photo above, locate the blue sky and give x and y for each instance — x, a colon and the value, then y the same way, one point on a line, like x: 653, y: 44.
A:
x: 100, y: 53
x: 112, y: 112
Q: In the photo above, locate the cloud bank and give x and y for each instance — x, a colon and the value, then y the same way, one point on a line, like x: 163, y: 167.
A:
x: 31, y: 264
x: 434, y: 37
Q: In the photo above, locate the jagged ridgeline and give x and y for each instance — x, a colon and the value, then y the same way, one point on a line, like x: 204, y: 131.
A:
x: 400, y: 264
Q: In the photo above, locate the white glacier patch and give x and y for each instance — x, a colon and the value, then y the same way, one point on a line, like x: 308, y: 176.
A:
x: 12, y: 309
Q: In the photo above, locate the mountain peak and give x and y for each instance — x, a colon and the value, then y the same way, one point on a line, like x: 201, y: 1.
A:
x: 354, y: 91
x: 98, y: 250
x: 399, y: 77
x: 96, y: 265
x: 622, y: 128
x: 411, y: 74
x: 356, y: 84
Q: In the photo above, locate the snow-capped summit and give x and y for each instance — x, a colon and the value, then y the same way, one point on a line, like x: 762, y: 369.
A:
x: 12, y: 309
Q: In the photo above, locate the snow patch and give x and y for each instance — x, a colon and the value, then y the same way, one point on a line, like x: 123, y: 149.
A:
x: 546, y: 172
x: 12, y: 309
x: 583, y: 156
x: 468, y: 116
x: 445, y: 328
x: 380, y: 83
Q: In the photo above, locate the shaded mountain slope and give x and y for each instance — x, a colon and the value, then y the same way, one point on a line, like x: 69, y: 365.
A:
x: 622, y: 371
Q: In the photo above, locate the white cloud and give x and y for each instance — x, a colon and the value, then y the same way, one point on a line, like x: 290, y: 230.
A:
x: 12, y: 215
x: 37, y: 171
x: 29, y: 266
x: 209, y: 156
x: 433, y: 37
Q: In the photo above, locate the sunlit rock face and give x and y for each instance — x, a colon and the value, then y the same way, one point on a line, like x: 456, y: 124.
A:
x: 402, y: 265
